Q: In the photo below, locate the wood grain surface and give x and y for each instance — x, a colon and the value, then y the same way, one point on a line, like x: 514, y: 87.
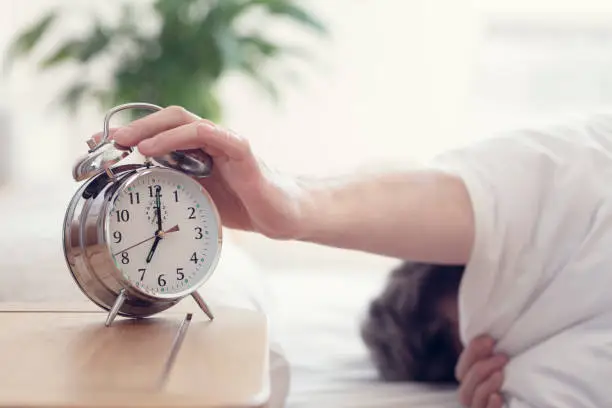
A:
x: 62, y: 355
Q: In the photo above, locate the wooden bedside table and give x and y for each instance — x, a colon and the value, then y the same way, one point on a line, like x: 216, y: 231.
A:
x: 62, y: 355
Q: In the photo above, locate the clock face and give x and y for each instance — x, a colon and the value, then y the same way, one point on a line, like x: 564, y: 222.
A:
x: 163, y: 233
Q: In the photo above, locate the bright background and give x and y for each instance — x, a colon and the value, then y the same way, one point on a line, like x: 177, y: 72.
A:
x: 397, y: 81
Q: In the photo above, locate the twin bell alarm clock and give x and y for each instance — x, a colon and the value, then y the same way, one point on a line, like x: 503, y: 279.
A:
x: 138, y: 238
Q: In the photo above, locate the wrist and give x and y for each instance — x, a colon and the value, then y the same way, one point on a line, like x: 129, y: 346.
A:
x: 285, y: 202
x: 319, y: 211
x: 301, y: 225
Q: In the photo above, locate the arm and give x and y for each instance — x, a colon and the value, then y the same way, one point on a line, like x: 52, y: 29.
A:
x: 418, y: 214
x: 422, y: 215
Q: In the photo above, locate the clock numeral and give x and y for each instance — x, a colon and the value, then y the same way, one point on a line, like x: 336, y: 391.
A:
x: 125, y: 258
x: 153, y: 189
x: 123, y: 216
x: 199, y: 230
x: 142, y: 271
x: 194, y: 258
x: 134, y: 196
x: 180, y: 275
x: 117, y: 235
x: 176, y: 196
x: 192, y: 215
x: 160, y: 280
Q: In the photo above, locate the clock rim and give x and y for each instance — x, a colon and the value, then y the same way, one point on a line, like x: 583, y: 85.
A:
x: 110, y: 205
x: 87, y: 259
x: 77, y: 205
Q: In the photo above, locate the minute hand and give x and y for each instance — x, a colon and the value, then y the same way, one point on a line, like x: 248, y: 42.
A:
x: 158, y: 209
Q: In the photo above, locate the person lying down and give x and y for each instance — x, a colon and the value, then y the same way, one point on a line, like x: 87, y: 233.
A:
x: 527, y: 322
x: 412, y: 333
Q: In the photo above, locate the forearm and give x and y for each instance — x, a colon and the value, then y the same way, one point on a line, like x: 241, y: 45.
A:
x: 422, y: 215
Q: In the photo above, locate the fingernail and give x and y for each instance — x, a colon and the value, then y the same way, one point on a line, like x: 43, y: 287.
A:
x: 146, y: 144
x: 206, y: 126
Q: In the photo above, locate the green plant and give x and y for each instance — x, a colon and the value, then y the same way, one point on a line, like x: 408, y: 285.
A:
x: 181, y: 62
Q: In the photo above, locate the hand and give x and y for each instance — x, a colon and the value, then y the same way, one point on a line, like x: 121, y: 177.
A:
x: 248, y: 195
x: 480, y: 374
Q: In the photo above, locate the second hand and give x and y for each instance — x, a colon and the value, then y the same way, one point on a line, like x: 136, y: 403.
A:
x: 160, y: 235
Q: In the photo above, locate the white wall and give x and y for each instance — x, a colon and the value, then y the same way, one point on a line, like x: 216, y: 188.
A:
x: 394, y: 83
x: 390, y: 84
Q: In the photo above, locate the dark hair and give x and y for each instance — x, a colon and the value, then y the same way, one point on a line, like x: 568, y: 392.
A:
x: 406, y: 332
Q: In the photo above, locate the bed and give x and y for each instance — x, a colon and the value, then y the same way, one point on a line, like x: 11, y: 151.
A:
x: 315, y: 319
x: 329, y: 364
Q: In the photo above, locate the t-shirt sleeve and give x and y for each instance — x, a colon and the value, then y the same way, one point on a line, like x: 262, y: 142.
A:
x: 533, y: 194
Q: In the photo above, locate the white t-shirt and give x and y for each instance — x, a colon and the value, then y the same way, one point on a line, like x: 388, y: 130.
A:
x: 539, y: 279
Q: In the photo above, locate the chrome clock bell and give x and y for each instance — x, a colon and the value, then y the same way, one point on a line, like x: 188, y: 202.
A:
x: 138, y: 238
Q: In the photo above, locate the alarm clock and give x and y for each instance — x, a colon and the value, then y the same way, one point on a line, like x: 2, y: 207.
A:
x: 140, y: 237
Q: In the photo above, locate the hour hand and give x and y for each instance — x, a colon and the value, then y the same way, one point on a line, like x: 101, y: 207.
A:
x: 153, y: 248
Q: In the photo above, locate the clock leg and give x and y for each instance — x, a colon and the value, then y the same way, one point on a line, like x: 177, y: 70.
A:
x: 115, y: 309
x: 198, y: 298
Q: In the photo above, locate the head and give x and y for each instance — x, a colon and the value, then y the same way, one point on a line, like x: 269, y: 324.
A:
x: 411, y: 328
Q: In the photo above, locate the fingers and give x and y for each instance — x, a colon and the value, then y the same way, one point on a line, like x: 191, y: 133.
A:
x: 486, y: 389
x: 198, y: 134
x: 477, y: 383
x: 150, y: 125
x: 478, y: 349
x: 98, y: 136
x: 495, y: 401
x: 174, y: 128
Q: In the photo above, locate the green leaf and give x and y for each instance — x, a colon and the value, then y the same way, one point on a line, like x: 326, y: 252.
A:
x: 293, y: 11
x: 94, y: 45
x: 128, y: 25
x: 229, y: 49
x: 225, y: 12
x: 209, y: 106
x: 172, y: 7
x: 265, y: 83
x: 181, y: 62
x: 73, y: 95
x: 82, y: 51
x: 260, y: 44
x: 27, y: 40
x: 69, y: 50
x: 103, y: 97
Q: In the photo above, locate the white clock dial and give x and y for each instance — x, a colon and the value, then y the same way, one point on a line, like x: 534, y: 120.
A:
x: 183, y: 256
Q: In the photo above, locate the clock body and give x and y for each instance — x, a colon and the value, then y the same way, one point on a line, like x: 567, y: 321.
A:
x: 149, y: 235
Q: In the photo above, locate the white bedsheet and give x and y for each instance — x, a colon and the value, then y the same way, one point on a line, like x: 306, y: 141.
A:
x: 538, y: 279
x: 318, y: 312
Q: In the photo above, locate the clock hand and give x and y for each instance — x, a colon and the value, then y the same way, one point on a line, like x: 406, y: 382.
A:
x: 158, y: 209
x: 173, y: 229
x: 160, y: 234
x: 153, y: 248
x: 158, y: 237
x: 135, y: 245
